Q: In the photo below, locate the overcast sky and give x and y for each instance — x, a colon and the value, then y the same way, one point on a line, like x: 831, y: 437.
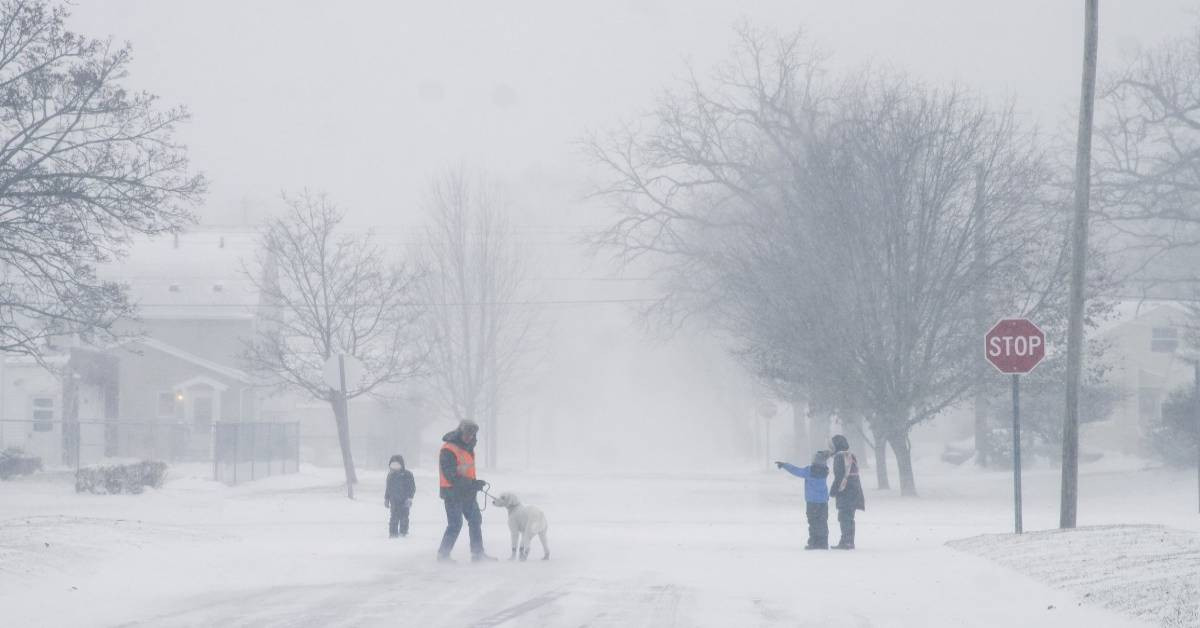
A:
x: 367, y: 99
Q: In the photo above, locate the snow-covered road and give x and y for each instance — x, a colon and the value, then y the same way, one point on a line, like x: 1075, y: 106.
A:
x: 701, y: 550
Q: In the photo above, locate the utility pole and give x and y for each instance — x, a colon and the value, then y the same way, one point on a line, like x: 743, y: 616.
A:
x: 1079, y: 244
x: 493, y: 412
x: 980, y: 307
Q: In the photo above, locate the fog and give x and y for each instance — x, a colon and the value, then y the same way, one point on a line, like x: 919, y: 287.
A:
x: 679, y: 288
x: 367, y: 101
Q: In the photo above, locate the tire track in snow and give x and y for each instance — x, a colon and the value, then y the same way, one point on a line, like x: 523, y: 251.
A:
x: 523, y: 608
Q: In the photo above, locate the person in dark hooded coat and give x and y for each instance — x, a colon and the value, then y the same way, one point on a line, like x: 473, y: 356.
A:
x: 398, y: 496
x: 458, y: 488
x: 846, y: 490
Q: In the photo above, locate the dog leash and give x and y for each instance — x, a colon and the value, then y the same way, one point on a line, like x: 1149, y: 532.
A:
x: 486, y: 496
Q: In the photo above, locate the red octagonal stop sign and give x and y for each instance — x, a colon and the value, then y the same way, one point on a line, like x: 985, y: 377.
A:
x: 1014, y: 345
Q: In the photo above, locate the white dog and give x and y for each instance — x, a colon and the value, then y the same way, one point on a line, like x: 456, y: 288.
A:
x: 524, y: 522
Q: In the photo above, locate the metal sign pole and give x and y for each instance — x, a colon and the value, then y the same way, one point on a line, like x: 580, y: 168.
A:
x: 1196, y: 401
x: 1016, y: 433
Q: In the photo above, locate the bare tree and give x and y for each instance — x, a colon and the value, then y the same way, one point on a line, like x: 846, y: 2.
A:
x: 329, y: 293
x: 475, y: 278
x: 1147, y: 145
x: 85, y: 163
x: 830, y: 229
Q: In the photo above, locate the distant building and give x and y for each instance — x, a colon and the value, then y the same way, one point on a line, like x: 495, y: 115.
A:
x: 1146, y: 351
x: 158, y: 395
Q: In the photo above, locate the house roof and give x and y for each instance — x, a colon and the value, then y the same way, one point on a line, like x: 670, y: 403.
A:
x: 198, y: 275
x: 221, y: 369
x: 1134, y: 310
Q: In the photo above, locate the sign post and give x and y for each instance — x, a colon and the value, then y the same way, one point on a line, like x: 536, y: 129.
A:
x: 1196, y: 397
x: 767, y: 410
x: 1015, y: 346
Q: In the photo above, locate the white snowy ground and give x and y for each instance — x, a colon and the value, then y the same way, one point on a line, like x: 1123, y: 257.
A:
x: 1149, y: 572
x: 702, y: 549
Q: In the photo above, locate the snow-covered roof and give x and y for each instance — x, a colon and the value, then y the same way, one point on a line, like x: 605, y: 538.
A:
x: 199, y: 274
x: 221, y: 369
x: 1132, y: 310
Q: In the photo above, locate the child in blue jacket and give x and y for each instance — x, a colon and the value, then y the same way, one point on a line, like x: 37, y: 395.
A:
x: 816, y: 494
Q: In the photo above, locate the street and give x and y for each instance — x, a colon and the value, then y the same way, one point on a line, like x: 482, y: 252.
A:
x: 713, y: 549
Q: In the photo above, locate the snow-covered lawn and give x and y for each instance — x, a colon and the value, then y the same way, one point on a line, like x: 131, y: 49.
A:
x: 688, y: 549
x: 1149, y: 572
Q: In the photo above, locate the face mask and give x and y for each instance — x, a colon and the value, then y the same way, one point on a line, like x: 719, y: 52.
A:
x: 395, y: 466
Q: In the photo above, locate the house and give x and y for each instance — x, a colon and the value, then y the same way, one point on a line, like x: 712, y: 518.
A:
x: 1148, y: 358
x: 31, y: 406
x: 158, y: 393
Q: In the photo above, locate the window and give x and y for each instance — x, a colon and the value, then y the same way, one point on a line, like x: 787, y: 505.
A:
x: 1164, y: 339
x: 43, y: 414
x: 173, y: 288
x: 168, y: 405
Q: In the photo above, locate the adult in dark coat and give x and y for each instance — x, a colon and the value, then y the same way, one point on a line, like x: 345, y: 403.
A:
x: 846, y: 490
x: 398, y: 496
x: 458, y: 488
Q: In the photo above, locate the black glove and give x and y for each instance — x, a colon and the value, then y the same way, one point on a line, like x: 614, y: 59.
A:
x: 778, y: 464
x: 480, y: 485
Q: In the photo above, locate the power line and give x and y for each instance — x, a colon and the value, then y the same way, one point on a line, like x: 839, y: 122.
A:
x: 176, y: 278
x: 408, y: 304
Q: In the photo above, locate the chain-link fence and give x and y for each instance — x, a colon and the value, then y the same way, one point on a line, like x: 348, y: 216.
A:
x: 239, y: 452
x: 243, y: 452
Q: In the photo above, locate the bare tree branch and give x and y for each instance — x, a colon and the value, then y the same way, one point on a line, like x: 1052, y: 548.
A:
x: 327, y: 294
x: 85, y: 164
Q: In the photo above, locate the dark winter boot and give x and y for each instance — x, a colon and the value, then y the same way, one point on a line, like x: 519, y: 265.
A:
x: 846, y: 522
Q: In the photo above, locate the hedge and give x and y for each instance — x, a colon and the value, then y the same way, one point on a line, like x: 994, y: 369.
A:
x: 14, y: 462
x: 114, y: 479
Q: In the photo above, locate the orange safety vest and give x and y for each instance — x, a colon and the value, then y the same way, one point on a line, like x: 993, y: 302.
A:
x: 466, y: 464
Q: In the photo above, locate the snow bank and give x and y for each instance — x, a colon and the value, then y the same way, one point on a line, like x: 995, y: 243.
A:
x: 1148, y: 572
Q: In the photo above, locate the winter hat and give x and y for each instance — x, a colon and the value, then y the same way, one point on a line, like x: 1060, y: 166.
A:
x: 396, y: 460
x: 821, y: 457
x: 467, y: 426
x: 840, y: 443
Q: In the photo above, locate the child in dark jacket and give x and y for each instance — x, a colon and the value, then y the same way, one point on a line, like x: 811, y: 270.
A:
x: 398, y: 496
x: 847, y: 490
x: 816, y: 494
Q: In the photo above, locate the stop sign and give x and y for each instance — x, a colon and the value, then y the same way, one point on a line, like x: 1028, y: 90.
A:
x: 1014, y: 345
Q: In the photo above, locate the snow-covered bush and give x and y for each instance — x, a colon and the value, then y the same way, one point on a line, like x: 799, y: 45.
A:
x: 1172, y: 437
x: 112, y: 479
x: 14, y: 462
x: 1042, y: 410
